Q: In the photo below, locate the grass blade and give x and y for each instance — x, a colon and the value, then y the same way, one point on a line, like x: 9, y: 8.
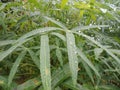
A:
x: 45, y: 62
x: 62, y: 37
x: 78, y: 28
x: 10, y: 50
x: 81, y: 54
x: 88, y: 70
x: 14, y: 67
x: 59, y: 56
x: 38, y: 31
x: 6, y: 42
x: 59, y: 75
x: 72, y: 87
x: 30, y: 84
x: 56, y: 22
x: 101, y: 46
x: 73, y: 60
x: 34, y: 58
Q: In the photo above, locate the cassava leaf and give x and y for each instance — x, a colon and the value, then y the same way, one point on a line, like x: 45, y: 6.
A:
x: 56, y: 22
x: 11, y: 49
x: 45, y: 62
x: 73, y: 60
x: 87, y: 61
x: 14, y: 67
x: 30, y: 84
x: 34, y: 58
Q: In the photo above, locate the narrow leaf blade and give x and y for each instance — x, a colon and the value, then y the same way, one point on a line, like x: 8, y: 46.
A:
x: 73, y: 60
x: 45, y: 62
x: 14, y: 67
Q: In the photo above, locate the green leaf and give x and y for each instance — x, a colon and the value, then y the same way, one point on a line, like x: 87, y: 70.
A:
x: 34, y: 58
x: 62, y: 37
x: 30, y: 84
x: 60, y: 75
x: 78, y: 28
x: 11, y: 49
x: 56, y: 22
x: 73, y: 60
x: 116, y: 51
x: 14, y: 67
x: 69, y: 84
x: 58, y: 88
x: 3, y: 82
x: 63, y: 3
x: 87, y: 61
x: 109, y: 87
x: 6, y: 42
x: 38, y: 31
x: 88, y: 70
x: 101, y: 46
x: 97, y: 52
x: 45, y: 62
x: 59, y: 56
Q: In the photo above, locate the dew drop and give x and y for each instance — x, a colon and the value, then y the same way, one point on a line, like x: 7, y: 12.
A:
x: 76, y: 62
x: 99, y: 28
x: 90, y: 25
x: 103, y: 10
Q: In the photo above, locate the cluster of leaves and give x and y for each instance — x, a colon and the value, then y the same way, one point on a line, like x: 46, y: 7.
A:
x: 60, y: 45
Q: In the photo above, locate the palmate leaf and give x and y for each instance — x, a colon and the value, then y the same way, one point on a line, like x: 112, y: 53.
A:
x: 73, y: 60
x: 45, y: 62
x: 24, y: 39
x: 14, y: 67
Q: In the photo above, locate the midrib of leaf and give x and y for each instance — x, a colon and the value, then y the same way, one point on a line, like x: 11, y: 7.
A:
x: 45, y: 62
x: 73, y: 60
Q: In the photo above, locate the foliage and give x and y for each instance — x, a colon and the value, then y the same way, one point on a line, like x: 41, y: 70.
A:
x: 60, y: 45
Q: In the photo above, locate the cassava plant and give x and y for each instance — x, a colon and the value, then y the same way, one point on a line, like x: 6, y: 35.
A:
x: 59, y: 45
